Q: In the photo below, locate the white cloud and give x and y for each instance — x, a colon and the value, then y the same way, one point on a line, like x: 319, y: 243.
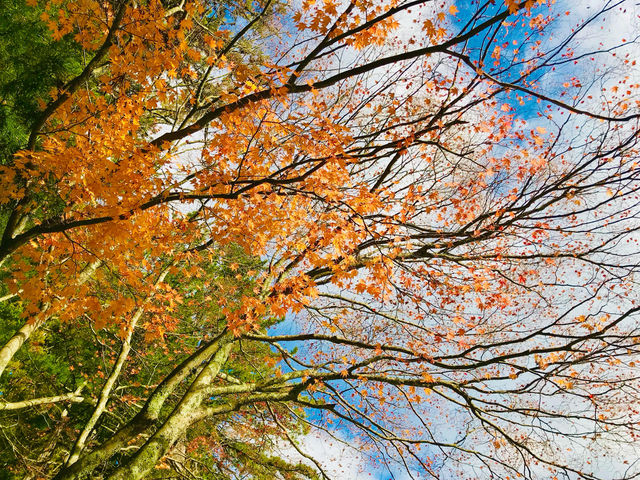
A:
x: 339, y: 458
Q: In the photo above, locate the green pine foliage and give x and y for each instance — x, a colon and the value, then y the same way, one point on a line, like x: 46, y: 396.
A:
x: 33, y: 63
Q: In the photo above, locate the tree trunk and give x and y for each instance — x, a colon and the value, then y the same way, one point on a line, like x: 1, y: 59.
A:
x: 184, y: 415
x: 146, y: 418
x: 105, y: 393
x: 15, y: 342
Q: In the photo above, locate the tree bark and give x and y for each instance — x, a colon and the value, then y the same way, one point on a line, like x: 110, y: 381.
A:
x: 67, y: 397
x: 146, y: 418
x: 105, y: 393
x: 15, y: 342
x: 183, y: 416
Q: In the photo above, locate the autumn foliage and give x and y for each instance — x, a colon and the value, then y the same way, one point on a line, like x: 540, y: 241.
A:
x: 408, y: 224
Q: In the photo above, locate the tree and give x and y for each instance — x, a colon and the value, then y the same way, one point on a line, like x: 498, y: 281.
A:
x: 428, y: 211
x: 33, y: 64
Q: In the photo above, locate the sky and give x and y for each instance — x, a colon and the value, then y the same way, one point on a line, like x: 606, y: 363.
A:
x: 620, y: 24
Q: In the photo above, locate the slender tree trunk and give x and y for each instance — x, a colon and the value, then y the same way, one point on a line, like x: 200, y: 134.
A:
x: 74, y: 397
x: 105, y: 393
x: 17, y: 340
x: 16, y: 224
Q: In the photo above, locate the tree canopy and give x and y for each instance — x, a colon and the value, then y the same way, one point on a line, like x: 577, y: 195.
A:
x: 409, y: 226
